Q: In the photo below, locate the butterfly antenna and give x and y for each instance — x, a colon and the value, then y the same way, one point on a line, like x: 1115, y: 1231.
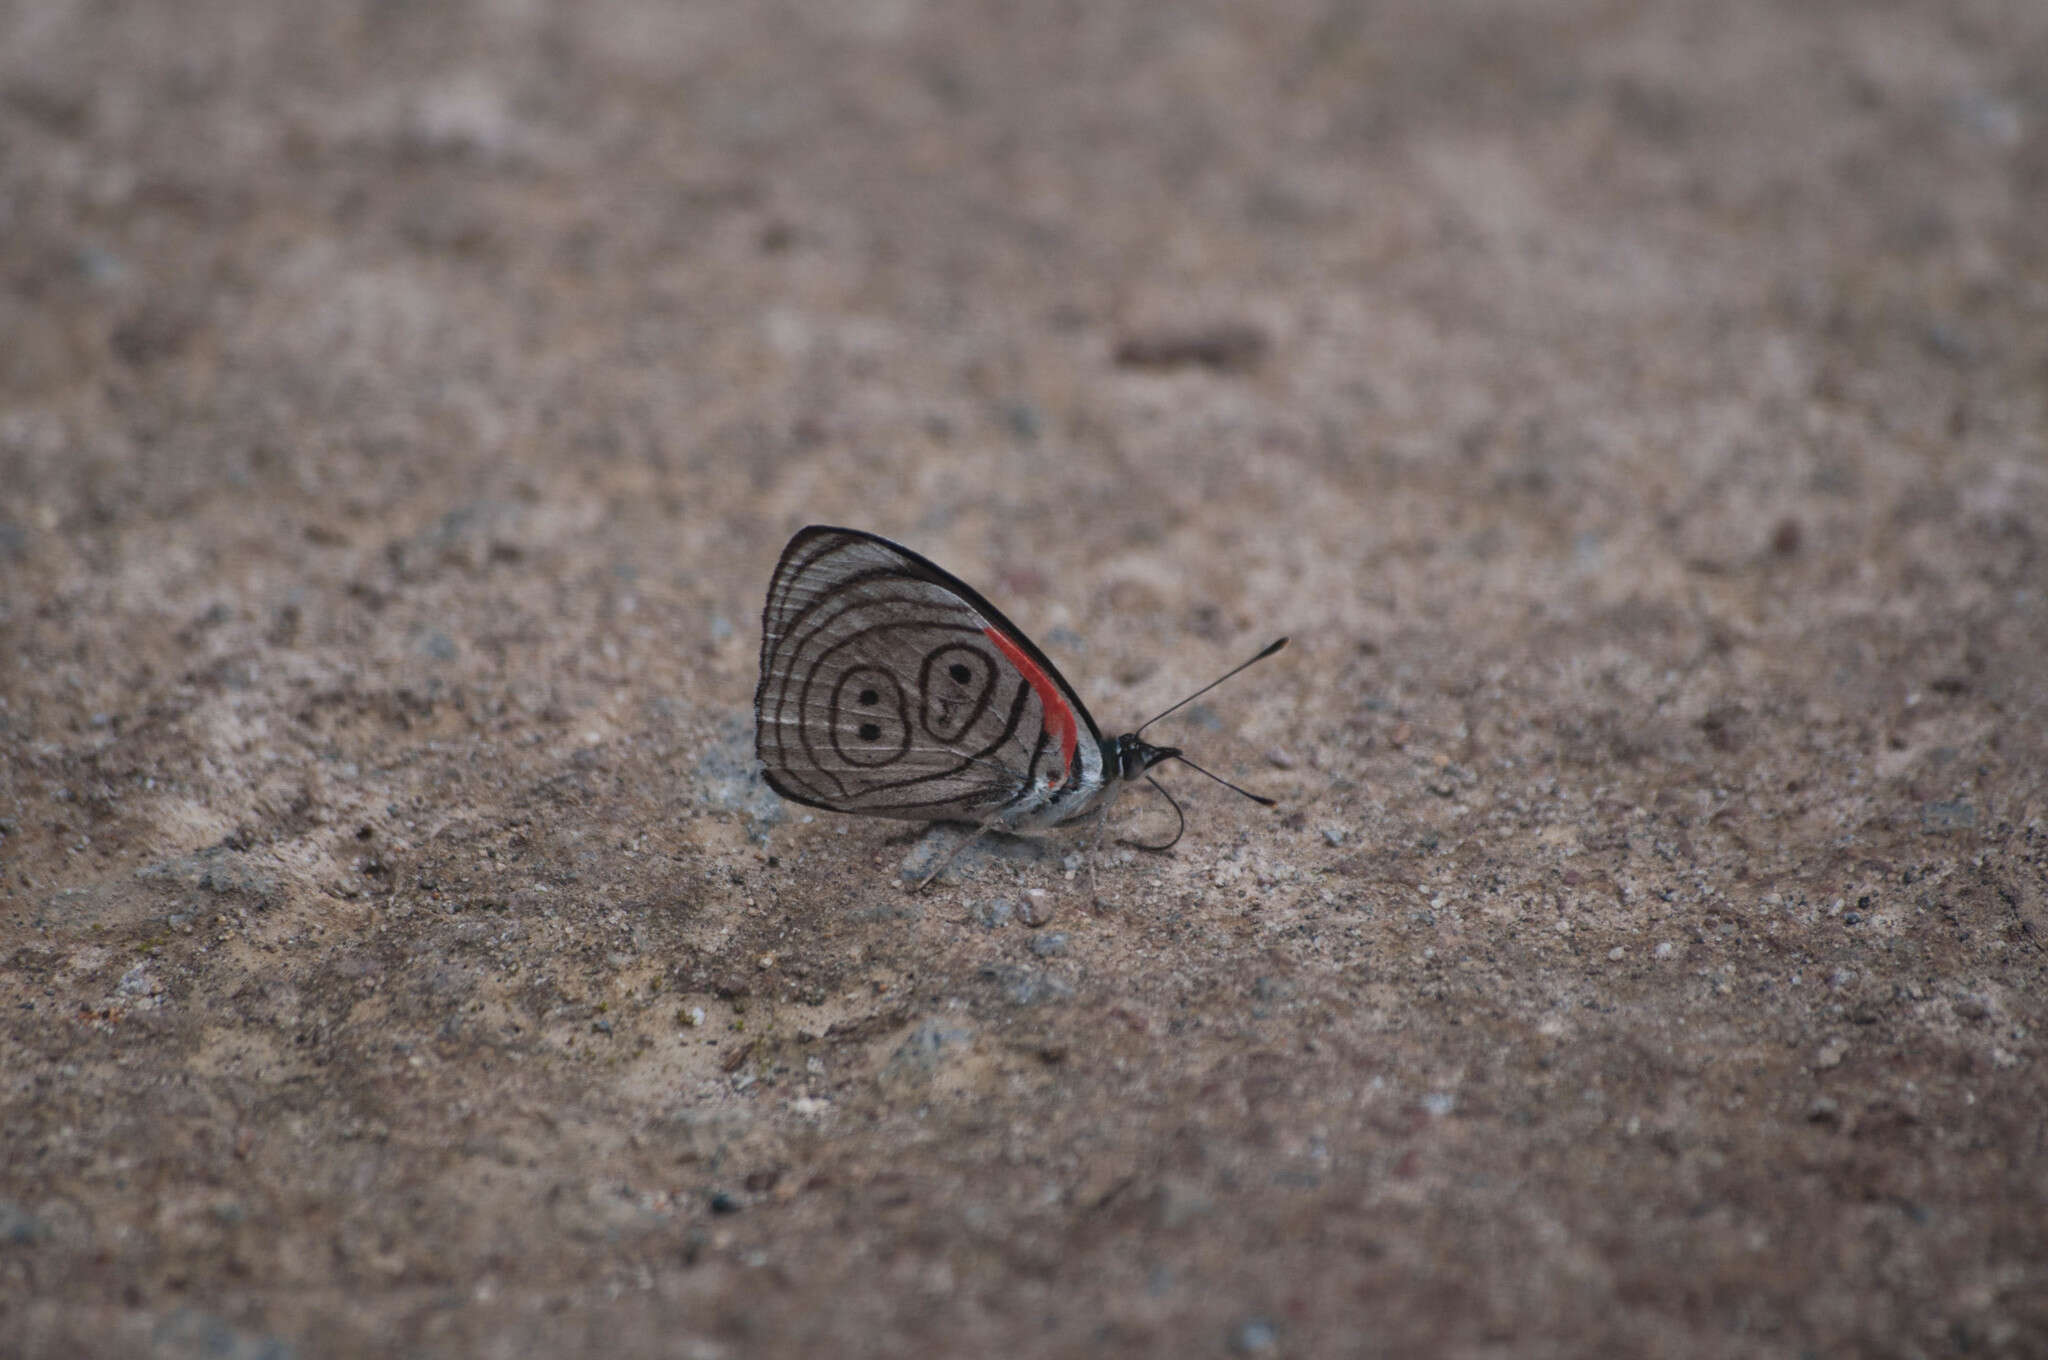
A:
x: 1258, y: 798
x: 1270, y: 649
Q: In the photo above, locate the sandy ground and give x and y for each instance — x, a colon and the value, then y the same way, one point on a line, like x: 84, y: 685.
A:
x: 1637, y: 414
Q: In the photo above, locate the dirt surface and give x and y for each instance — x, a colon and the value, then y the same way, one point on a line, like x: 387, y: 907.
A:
x: 1637, y: 414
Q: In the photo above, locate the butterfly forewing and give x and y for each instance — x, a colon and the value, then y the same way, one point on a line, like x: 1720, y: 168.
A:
x: 888, y: 687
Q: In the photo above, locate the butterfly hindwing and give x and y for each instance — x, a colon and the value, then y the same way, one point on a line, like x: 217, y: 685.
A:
x: 891, y: 688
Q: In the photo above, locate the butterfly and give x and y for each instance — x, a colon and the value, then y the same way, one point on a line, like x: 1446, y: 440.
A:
x: 892, y: 688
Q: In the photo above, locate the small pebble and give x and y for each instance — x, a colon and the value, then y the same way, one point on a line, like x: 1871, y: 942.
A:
x: 1224, y: 344
x: 1050, y: 945
x: 1022, y: 986
x: 193, y: 1331
x: 926, y: 1046
x: 1033, y: 909
x: 19, y: 1227
x: 1266, y: 988
x: 1023, y: 419
x: 1255, y: 1336
x: 1938, y: 816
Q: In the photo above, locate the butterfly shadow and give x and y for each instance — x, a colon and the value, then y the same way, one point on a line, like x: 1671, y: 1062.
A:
x: 931, y: 847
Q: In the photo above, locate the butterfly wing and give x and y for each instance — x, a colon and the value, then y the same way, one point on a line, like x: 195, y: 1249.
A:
x: 889, y: 687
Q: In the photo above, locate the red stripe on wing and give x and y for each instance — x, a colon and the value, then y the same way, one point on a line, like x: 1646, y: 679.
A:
x: 1059, y: 718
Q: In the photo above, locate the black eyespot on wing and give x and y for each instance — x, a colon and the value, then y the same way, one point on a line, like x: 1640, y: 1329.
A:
x: 870, y: 724
x: 955, y: 685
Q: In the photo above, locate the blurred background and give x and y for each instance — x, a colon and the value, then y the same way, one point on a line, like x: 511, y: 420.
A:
x: 1635, y: 412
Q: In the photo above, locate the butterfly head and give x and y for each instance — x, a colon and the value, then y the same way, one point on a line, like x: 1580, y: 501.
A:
x: 1129, y: 757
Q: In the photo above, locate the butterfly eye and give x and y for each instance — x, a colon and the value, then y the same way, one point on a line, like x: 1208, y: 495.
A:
x: 961, y: 675
x: 870, y: 732
x: 869, y: 698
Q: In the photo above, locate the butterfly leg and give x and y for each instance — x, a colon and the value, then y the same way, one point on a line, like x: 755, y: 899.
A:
x: 1095, y: 853
x: 954, y: 853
